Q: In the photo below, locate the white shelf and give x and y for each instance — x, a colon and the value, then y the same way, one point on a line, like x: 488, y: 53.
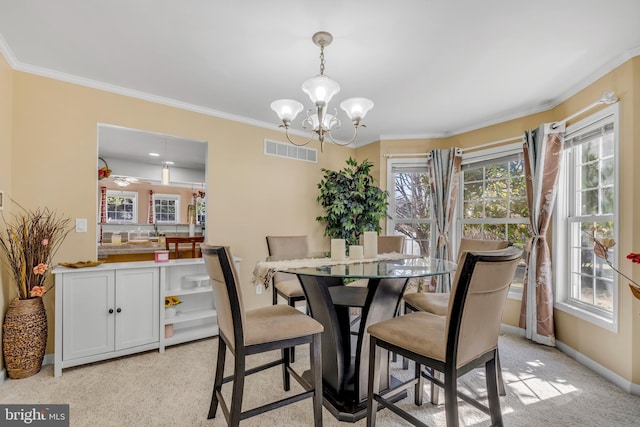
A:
x: 190, y: 334
x: 197, y: 277
x: 190, y: 315
x: 189, y: 291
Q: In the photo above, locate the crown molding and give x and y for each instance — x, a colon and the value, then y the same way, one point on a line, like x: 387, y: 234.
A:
x: 15, y: 64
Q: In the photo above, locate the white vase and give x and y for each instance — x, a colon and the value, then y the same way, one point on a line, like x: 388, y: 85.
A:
x: 169, y: 312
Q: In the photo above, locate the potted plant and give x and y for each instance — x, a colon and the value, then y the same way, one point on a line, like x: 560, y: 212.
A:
x: 352, y: 203
x: 29, y: 243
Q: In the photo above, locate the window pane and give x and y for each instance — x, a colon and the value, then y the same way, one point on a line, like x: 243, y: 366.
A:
x: 589, y: 202
x: 473, y: 191
x: 412, y: 195
x: 473, y: 210
x: 590, y: 175
x: 497, y: 208
x: 590, y: 150
x: 417, y: 237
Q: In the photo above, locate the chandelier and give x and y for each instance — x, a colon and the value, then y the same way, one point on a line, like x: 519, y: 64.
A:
x: 320, y: 90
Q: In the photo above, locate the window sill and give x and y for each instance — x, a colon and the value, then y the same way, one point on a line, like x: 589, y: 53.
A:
x: 607, y: 323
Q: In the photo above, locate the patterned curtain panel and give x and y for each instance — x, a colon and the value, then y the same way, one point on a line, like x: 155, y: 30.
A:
x: 103, y: 205
x: 444, y: 178
x: 150, y: 215
x: 542, y: 159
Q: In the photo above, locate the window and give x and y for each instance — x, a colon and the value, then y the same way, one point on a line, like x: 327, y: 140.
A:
x: 201, y: 210
x: 166, y: 208
x: 585, y: 285
x: 493, y: 201
x: 410, y: 204
x: 122, y: 206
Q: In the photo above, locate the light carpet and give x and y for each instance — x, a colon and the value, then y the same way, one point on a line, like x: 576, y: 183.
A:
x: 544, y: 388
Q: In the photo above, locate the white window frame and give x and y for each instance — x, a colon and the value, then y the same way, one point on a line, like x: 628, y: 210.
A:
x: 119, y: 193
x: 562, y: 223
x: 174, y: 197
x: 495, y: 153
x: 391, y: 209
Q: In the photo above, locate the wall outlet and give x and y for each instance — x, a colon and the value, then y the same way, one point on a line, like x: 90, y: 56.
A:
x: 258, y: 289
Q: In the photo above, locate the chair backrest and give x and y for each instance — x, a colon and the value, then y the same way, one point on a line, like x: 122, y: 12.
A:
x: 290, y: 247
x: 480, y: 245
x: 176, y: 241
x: 388, y: 244
x: 227, y: 293
x: 479, y: 293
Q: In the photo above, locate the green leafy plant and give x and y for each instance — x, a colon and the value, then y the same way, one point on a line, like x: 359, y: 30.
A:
x: 353, y: 204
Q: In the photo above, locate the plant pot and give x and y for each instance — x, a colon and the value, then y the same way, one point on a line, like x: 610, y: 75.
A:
x: 24, y: 337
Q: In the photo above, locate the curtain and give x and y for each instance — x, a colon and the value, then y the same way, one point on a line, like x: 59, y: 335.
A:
x: 103, y: 205
x: 542, y: 152
x: 150, y: 215
x: 444, y: 180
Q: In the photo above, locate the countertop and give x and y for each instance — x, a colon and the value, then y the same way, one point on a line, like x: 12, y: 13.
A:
x: 106, y: 249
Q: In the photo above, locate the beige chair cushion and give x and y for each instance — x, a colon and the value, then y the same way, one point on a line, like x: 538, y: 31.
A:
x: 277, y: 322
x: 436, y: 303
x: 290, y: 288
x: 420, y: 332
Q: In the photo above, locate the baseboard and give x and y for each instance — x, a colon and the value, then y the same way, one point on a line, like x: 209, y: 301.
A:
x: 604, y: 372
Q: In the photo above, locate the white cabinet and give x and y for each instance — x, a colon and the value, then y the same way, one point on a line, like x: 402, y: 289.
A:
x: 116, y: 309
x: 104, y: 312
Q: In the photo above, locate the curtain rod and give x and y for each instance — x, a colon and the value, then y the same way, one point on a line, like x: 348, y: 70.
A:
x: 608, y: 98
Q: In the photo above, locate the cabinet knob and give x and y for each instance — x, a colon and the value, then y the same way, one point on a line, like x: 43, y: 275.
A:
x: 111, y: 311
x: 119, y: 310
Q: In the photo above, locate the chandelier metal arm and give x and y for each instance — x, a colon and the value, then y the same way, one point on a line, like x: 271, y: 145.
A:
x: 286, y: 133
x: 353, y: 138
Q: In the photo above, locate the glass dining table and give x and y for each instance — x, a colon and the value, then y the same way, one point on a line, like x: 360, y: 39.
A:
x: 345, y: 353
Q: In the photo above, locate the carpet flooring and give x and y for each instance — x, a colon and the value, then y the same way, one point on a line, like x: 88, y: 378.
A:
x: 544, y: 388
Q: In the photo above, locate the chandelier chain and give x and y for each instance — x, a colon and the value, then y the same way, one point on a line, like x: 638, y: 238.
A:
x: 322, y: 60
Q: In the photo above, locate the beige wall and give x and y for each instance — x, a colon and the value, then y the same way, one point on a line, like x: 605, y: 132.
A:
x: 6, y: 102
x: 48, y: 152
x: 249, y: 195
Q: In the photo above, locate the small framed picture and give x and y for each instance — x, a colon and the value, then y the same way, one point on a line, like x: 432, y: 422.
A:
x: 1, y: 200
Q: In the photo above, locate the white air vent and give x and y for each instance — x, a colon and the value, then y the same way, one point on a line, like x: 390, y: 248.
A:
x: 290, y: 151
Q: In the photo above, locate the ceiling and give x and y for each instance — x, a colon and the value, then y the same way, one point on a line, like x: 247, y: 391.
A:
x: 433, y: 68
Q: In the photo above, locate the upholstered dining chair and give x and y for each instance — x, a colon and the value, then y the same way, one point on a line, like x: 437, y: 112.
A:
x: 260, y: 330
x: 287, y: 285
x: 455, y: 344
x: 438, y: 302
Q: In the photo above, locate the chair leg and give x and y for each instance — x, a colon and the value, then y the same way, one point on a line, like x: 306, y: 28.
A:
x: 286, y: 377
x: 237, y: 390
x: 292, y: 350
x: 217, y: 383
x: 451, y: 397
x: 315, y: 358
x: 419, y: 387
x: 374, y: 382
x: 435, y: 390
x: 492, y: 392
x: 501, y: 390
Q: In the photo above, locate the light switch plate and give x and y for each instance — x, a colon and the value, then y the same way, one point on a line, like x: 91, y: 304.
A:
x: 81, y: 225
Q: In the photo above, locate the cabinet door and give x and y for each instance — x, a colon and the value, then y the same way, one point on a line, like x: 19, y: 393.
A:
x: 88, y: 327
x: 137, y: 307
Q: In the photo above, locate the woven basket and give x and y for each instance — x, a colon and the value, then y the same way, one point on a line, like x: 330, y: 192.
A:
x: 24, y: 337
